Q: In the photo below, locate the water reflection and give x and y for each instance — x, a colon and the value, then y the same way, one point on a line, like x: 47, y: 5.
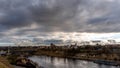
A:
x: 54, y: 62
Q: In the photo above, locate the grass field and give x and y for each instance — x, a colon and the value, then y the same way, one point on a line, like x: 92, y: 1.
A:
x: 4, y: 63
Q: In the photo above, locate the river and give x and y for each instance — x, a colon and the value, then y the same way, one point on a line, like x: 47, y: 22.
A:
x: 55, y: 62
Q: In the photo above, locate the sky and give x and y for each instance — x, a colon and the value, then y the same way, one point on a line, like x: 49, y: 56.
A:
x: 59, y: 19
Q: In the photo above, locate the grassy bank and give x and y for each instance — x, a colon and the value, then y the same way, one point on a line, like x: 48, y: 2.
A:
x: 4, y: 63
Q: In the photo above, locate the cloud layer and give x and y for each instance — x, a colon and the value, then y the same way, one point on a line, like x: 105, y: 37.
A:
x: 35, y: 17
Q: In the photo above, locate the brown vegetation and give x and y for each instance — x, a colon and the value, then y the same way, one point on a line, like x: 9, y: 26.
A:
x: 4, y: 63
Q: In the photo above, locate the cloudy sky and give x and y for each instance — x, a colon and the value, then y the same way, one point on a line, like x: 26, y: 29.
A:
x: 59, y: 19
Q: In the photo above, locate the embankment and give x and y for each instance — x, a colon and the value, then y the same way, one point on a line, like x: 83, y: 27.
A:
x: 4, y: 63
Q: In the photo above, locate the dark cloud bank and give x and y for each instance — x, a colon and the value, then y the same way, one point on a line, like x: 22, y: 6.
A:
x: 61, y: 15
x: 36, y: 17
x: 51, y: 15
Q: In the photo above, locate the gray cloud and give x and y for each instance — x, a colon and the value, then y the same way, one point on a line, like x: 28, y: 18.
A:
x: 51, y: 14
x: 18, y: 17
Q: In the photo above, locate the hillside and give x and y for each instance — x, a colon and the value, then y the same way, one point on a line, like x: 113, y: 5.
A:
x: 4, y: 63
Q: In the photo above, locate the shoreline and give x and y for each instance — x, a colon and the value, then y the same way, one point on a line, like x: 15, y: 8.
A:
x: 22, y: 62
x: 97, y: 54
x: 117, y: 63
x: 97, y: 61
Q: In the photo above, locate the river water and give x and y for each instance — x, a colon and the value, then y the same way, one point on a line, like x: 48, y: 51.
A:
x: 55, y: 62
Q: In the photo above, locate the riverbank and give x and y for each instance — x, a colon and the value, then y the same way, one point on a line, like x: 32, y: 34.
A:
x: 90, y: 53
x: 57, y: 62
x: 98, y: 60
x: 21, y: 61
x: 4, y: 63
